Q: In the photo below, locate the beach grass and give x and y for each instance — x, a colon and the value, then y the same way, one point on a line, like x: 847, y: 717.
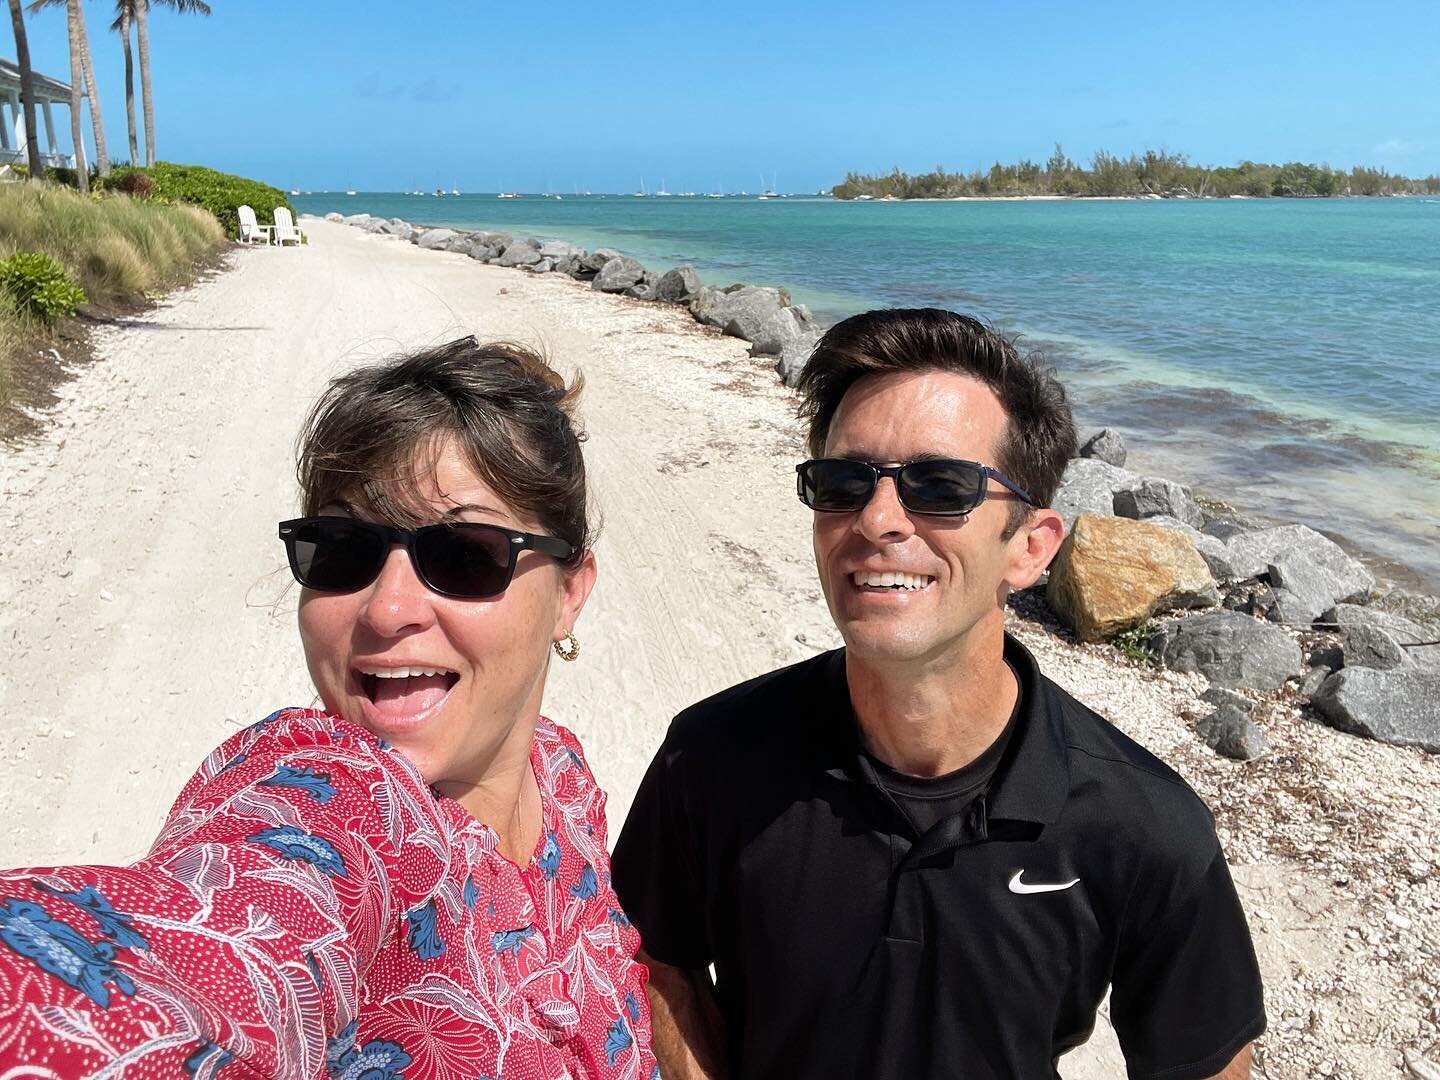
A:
x: 116, y: 248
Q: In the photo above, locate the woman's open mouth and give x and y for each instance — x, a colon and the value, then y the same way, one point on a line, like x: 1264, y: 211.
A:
x: 401, y: 692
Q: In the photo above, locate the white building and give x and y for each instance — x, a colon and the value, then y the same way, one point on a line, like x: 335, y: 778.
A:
x: 48, y: 92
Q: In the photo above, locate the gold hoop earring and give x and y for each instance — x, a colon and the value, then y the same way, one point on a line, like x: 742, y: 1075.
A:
x: 573, y: 653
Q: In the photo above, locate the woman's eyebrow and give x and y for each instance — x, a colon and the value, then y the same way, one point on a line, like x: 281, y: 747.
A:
x: 478, y: 508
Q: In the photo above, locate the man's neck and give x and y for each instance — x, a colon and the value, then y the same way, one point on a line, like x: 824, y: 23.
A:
x: 931, y: 717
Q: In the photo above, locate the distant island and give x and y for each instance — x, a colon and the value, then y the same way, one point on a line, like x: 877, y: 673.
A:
x: 1155, y: 174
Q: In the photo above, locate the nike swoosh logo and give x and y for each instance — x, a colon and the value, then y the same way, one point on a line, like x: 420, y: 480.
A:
x: 1018, y: 886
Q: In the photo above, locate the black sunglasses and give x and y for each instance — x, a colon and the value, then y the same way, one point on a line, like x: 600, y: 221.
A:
x: 937, y: 486
x: 463, y: 559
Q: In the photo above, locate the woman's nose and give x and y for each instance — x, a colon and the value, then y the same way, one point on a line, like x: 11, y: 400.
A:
x: 398, y: 599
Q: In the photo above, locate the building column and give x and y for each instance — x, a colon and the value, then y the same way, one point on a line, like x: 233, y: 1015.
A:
x: 5, y: 125
x: 49, y: 127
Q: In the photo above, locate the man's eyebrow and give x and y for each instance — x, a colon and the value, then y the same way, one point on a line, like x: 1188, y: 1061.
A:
x: 863, y: 454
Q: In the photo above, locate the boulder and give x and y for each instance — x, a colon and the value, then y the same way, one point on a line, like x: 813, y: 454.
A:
x: 437, y: 239
x: 618, y: 274
x: 374, y: 225
x: 559, y: 249
x: 740, y: 311
x: 1107, y: 445
x: 1219, y: 695
x: 1348, y: 616
x: 482, y: 252
x: 1112, y: 574
x: 462, y: 244
x: 678, y: 286
x: 597, y: 259
x: 1224, y: 528
x: 498, y: 240
x: 544, y: 266
x: 1229, y: 649
x: 644, y: 289
x: 1088, y: 487
x: 1300, y: 596
x: 358, y: 220
x: 1152, y: 496
x: 1229, y: 731
x: 520, y: 253
x: 1211, y: 549
x: 333, y: 216
x: 567, y: 264
x: 1312, y: 680
x: 787, y: 325
x: 1250, y: 554
x: 396, y: 227
x: 1371, y: 647
x: 793, y: 357
x: 1401, y: 707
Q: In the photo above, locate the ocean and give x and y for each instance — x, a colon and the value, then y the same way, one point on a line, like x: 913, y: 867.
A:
x: 1281, y: 355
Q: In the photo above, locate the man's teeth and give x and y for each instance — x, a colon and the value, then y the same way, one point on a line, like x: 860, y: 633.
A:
x: 892, y: 579
x: 404, y: 672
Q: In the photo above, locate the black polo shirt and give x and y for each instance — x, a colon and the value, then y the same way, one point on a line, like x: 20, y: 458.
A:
x: 844, y: 945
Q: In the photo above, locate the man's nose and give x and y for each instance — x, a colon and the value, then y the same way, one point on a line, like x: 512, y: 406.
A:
x: 883, y: 518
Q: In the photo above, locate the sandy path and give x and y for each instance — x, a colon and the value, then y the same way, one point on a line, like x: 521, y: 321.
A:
x: 146, y: 612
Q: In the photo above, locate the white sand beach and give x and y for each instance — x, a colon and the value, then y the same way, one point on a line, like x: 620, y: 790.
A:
x: 146, y: 612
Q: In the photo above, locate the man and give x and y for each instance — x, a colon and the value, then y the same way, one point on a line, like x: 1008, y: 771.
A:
x: 916, y: 856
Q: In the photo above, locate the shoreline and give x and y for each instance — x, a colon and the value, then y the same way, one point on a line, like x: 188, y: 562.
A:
x: 1331, y: 838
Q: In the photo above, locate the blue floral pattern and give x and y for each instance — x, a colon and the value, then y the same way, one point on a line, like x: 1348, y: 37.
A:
x: 293, y: 843
x: 422, y: 932
x: 306, y: 778
x: 60, y: 949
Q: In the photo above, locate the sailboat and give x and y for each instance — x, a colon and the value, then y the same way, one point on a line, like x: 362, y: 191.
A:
x: 642, y: 193
x: 662, y: 192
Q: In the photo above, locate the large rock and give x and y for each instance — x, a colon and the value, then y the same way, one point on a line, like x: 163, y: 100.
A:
x: 375, y: 225
x: 1348, y: 616
x: 740, y: 311
x: 544, y: 266
x: 1230, y: 731
x: 520, y: 253
x: 559, y: 249
x: 1152, y: 496
x: 1400, y: 707
x: 618, y: 274
x: 1107, y: 444
x: 789, y: 324
x: 437, y: 239
x: 644, y: 289
x: 1252, y: 553
x: 1372, y: 647
x: 1211, y: 549
x: 1112, y: 574
x: 794, y: 356
x: 482, y: 252
x: 1088, y: 487
x: 1229, y: 649
x: 677, y: 286
x: 398, y: 227
x: 358, y: 220
x: 462, y: 244
x: 597, y: 259
x: 335, y: 216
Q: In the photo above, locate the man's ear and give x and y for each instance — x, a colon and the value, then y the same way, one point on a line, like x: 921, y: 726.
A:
x: 1033, y: 546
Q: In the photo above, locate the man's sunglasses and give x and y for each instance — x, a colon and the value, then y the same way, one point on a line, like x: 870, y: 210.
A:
x: 939, y: 486
x: 463, y: 559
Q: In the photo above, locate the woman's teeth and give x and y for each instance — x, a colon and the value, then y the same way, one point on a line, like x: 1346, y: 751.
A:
x: 891, y: 580
x: 404, y: 673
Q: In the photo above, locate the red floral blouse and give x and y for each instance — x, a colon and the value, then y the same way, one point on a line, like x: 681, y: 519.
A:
x: 313, y: 909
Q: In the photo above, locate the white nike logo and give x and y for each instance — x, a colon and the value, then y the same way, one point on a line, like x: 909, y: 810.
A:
x: 1018, y: 886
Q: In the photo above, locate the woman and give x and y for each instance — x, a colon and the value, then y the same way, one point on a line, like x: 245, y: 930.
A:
x: 412, y: 883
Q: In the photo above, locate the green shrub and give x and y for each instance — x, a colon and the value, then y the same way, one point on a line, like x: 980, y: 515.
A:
x: 220, y: 193
x: 1135, y: 643
x: 39, y: 286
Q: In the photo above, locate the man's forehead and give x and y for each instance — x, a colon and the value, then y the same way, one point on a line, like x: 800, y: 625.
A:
x: 912, y: 415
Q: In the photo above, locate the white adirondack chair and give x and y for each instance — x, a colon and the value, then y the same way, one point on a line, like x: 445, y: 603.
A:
x: 285, y: 230
x: 251, y: 231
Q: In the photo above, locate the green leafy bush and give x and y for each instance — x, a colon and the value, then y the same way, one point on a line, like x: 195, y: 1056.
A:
x: 220, y: 193
x: 39, y: 286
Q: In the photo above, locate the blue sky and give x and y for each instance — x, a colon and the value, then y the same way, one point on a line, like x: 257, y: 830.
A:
x: 482, y: 95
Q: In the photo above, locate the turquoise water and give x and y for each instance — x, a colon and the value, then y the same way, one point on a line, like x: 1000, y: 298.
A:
x: 1283, y: 355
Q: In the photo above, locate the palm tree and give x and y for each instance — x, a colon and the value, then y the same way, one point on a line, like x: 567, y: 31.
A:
x: 82, y: 81
x: 27, y: 91
x: 124, y: 10
x: 139, y: 13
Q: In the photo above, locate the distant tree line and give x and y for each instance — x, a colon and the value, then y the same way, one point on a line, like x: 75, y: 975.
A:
x: 1155, y: 173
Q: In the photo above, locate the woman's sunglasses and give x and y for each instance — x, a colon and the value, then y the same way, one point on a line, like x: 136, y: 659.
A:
x: 939, y: 486
x: 463, y: 559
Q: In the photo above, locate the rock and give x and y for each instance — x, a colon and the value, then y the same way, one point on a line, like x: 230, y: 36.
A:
x: 678, y: 286
x: 498, y: 240
x: 1211, y: 549
x: 618, y: 274
x: 1088, y: 487
x: 374, y: 225
x: 544, y: 266
x: 559, y: 249
x: 520, y: 253
x: 597, y: 259
x: 395, y: 227
x: 482, y: 252
x: 358, y: 220
x: 462, y: 244
x: 1299, y: 596
x: 1312, y: 680
x: 1400, y: 707
x: 333, y: 216
x: 740, y: 311
x: 644, y: 289
x: 1112, y: 574
x: 793, y: 357
x: 1229, y: 649
x: 778, y: 330
x: 437, y: 239
x: 567, y: 264
x: 1218, y: 696
x: 1251, y: 553
x: 1155, y: 497
x: 1348, y: 616
x: 1231, y: 732
x: 1371, y: 647
x: 1224, y: 528
x: 1107, y: 445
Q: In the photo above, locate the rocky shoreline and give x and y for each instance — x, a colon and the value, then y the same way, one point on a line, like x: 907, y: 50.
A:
x: 1265, y: 612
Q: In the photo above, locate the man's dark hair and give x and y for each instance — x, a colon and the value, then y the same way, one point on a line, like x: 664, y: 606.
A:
x: 1040, y: 437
